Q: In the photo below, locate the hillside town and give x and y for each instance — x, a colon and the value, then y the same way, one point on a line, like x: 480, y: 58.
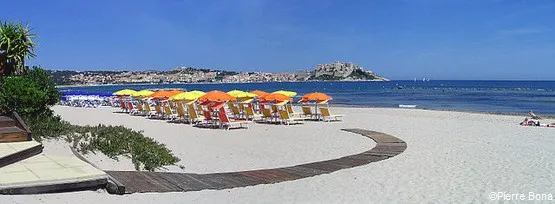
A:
x: 332, y: 71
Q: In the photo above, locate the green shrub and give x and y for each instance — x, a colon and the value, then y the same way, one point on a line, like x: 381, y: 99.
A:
x: 114, y: 141
x: 29, y: 95
x: 47, y: 126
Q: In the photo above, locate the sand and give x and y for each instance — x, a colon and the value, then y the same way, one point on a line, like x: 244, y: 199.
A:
x: 451, y: 157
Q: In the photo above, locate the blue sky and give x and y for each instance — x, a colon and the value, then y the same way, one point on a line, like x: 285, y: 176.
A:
x: 400, y: 39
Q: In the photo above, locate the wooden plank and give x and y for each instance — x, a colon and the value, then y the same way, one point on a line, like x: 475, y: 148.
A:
x: 322, y: 166
x: 368, y: 157
x: 387, y: 146
x: 13, y: 158
x: 91, y: 184
x: 138, y: 182
x: 12, y: 134
x: 186, y: 182
x: 303, y: 172
x: 6, y: 121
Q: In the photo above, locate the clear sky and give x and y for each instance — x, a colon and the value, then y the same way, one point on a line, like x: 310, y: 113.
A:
x: 399, y: 39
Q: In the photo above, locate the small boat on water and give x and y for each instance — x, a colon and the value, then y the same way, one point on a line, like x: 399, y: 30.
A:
x: 406, y: 106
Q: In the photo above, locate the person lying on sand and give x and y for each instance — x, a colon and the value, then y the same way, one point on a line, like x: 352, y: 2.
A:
x: 527, y: 122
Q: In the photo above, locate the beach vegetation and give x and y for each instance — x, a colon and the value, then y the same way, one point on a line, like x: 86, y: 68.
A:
x: 16, y: 45
x: 31, y: 93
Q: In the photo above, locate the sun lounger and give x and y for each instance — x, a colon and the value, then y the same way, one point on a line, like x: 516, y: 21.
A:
x: 326, y: 116
x: 236, y: 112
x: 307, y: 112
x: 250, y: 114
x: 193, y: 116
x: 169, y: 114
x: 287, y: 119
x: 181, y: 112
x: 159, y: 112
x: 140, y: 109
x: 208, y: 120
x: 228, y: 123
x: 148, y: 111
x: 291, y: 112
x: 268, y: 116
x: 123, y: 107
x: 132, y: 110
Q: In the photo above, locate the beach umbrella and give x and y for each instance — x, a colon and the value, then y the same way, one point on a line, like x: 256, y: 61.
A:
x: 276, y: 97
x: 315, y: 96
x: 124, y: 92
x: 165, y: 93
x: 287, y: 93
x: 259, y: 93
x: 142, y: 93
x: 241, y: 94
x: 217, y: 96
x: 187, y: 96
x: 196, y: 92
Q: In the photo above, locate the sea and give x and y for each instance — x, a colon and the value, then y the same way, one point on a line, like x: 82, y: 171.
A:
x: 512, y: 97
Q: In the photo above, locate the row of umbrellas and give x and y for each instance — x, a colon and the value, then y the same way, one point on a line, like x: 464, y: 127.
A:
x: 216, y: 95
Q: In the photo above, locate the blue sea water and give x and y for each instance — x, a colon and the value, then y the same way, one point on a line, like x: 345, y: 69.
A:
x: 481, y: 96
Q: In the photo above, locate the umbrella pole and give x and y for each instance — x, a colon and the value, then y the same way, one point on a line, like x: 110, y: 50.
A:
x: 316, y: 111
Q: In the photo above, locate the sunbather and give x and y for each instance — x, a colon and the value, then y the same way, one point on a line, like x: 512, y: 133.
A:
x: 530, y: 122
x: 534, y: 116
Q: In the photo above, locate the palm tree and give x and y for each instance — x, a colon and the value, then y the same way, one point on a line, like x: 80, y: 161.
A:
x: 16, y: 45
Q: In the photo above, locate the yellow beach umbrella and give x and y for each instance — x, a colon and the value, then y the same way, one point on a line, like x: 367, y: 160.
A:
x: 142, y: 93
x: 241, y: 94
x: 287, y: 93
x: 193, y: 95
x: 124, y: 92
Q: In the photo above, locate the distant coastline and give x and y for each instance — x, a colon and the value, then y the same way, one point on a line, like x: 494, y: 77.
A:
x: 200, y: 83
x: 336, y: 71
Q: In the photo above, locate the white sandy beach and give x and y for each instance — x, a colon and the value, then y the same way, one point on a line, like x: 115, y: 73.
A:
x: 452, y: 157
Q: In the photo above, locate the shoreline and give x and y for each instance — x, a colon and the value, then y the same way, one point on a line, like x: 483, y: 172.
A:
x: 442, y: 110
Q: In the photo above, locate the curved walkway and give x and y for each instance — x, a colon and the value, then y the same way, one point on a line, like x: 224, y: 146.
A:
x: 386, y: 147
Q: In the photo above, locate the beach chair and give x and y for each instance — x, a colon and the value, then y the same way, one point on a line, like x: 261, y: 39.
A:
x: 261, y: 107
x: 158, y: 110
x: 200, y: 109
x: 228, y: 123
x: 250, y: 113
x: 193, y: 116
x: 132, y: 110
x: 168, y: 113
x: 181, y: 112
x: 236, y: 113
x: 208, y: 120
x: 148, y: 111
x: 326, y: 116
x: 287, y: 119
x: 268, y: 116
x: 291, y: 112
x: 274, y: 109
x: 123, y: 106
x: 307, y: 112
x: 241, y: 107
x: 140, y: 109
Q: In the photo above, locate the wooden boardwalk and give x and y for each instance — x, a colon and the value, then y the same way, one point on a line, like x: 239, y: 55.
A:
x: 386, y: 147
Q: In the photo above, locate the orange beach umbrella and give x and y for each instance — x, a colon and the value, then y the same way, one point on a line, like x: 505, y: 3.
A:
x: 315, y: 96
x: 276, y: 97
x: 260, y: 93
x: 217, y: 96
x: 165, y: 93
